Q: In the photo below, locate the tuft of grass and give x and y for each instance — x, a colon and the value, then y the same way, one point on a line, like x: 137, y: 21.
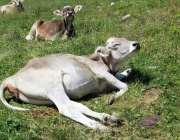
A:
x: 155, y: 24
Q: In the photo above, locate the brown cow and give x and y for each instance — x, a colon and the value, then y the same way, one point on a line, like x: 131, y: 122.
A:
x: 49, y: 30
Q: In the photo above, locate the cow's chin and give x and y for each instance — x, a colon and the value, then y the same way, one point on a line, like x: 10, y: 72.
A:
x: 70, y: 17
x: 136, y: 50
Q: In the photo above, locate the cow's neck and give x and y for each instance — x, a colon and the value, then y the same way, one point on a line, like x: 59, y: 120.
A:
x: 112, y: 64
x: 109, y: 65
x: 108, y: 61
x: 68, y: 24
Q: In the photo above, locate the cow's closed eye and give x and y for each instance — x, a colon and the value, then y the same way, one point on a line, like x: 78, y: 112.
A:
x: 115, y: 46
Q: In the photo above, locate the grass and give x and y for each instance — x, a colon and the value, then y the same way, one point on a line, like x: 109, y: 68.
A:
x: 155, y: 24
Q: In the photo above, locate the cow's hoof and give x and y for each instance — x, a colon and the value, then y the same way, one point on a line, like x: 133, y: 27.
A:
x: 110, y: 100
x: 111, y: 120
x: 29, y: 37
x: 98, y: 126
x: 128, y: 71
x: 114, y: 121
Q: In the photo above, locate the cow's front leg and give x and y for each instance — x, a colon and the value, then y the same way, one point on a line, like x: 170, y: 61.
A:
x: 124, y: 74
x: 124, y: 89
x: 110, y: 79
x: 120, y: 76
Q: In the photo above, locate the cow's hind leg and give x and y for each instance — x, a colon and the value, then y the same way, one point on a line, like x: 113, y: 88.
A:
x: 105, y: 118
x: 33, y: 32
x: 67, y: 108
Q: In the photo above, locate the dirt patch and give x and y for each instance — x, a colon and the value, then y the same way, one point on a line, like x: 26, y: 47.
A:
x: 43, y: 112
x: 150, y: 121
x: 152, y: 94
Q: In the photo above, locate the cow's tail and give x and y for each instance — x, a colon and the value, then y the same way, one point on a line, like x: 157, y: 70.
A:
x: 2, y: 91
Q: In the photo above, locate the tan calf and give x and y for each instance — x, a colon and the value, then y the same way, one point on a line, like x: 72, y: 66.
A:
x: 49, y: 30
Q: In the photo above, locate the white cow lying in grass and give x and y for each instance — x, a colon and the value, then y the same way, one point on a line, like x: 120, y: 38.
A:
x: 58, y: 78
x: 14, y: 6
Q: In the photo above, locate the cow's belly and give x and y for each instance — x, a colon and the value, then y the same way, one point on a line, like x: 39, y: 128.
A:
x: 81, y: 85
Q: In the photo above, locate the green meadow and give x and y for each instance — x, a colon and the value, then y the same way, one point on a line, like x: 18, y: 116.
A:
x: 155, y: 24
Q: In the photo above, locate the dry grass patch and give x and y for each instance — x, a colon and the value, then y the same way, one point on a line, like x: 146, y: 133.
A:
x: 152, y: 94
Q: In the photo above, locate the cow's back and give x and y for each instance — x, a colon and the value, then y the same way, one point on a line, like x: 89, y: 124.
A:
x: 50, y: 29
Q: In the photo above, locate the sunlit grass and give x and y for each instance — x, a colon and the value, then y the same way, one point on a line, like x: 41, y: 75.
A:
x: 155, y: 24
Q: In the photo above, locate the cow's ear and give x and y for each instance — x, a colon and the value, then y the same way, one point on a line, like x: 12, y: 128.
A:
x: 21, y: 0
x: 58, y: 13
x: 77, y: 8
x: 102, y: 51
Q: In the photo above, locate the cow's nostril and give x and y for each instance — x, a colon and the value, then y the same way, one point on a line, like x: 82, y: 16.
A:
x: 70, y: 12
x: 135, y: 44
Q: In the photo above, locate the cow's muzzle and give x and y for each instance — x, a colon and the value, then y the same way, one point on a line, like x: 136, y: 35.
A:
x: 137, y: 45
x: 70, y: 13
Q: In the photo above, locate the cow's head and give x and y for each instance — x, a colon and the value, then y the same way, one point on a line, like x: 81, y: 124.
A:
x: 18, y: 4
x: 68, y: 12
x: 118, y: 50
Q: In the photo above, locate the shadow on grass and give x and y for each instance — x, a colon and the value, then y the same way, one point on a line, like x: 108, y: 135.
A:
x: 136, y: 76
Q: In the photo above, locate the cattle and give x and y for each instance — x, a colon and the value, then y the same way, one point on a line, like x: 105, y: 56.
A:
x: 12, y: 7
x: 61, y: 78
x: 49, y: 30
